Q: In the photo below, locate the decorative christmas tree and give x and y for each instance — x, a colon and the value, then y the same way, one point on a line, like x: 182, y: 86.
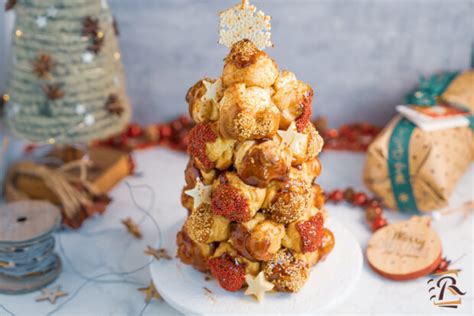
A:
x: 66, y: 82
x: 256, y: 218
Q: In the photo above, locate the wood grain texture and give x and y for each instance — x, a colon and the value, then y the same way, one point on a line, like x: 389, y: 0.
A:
x: 27, y: 220
x: 405, y: 250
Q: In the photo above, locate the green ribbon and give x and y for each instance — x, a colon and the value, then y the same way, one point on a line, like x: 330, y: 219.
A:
x: 398, y: 151
x: 399, y: 166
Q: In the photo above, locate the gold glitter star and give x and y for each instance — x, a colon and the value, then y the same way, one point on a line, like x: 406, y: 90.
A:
x: 200, y: 193
x: 49, y: 295
x: 132, y: 228
x: 157, y: 253
x: 242, y: 21
x: 150, y: 292
x: 258, y: 286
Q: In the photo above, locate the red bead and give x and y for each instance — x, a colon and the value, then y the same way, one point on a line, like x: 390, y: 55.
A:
x: 373, y: 212
x: 374, y: 203
x: 165, y: 131
x: 378, y: 223
x: 134, y: 130
x: 349, y: 194
x: 185, y: 120
x: 336, y: 196
x: 360, y: 199
x: 177, y: 125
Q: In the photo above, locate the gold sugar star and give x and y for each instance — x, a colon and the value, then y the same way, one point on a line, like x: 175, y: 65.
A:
x: 258, y: 286
x: 157, y: 253
x: 291, y: 138
x: 150, y: 292
x: 200, y: 193
x: 132, y: 228
x: 242, y: 21
x: 49, y: 295
x: 212, y: 89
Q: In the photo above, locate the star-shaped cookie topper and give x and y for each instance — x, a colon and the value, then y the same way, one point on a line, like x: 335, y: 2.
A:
x: 200, y: 193
x: 150, y: 292
x: 132, y: 228
x: 243, y: 21
x: 51, y: 296
x: 294, y: 140
x: 212, y: 89
x: 157, y: 253
x: 258, y: 286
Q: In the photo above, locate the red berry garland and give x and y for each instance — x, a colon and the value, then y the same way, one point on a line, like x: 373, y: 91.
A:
x: 373, y: 213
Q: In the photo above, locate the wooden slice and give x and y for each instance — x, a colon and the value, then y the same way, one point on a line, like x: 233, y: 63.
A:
x: 11, y: 285
x: 406, y: 250
x: 27, y: 220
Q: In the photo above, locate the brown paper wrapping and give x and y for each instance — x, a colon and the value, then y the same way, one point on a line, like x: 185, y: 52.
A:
x: 461, y: 91
x: 437, y: 160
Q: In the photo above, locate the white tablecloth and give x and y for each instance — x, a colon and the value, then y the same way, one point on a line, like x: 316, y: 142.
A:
x: 101, y: 246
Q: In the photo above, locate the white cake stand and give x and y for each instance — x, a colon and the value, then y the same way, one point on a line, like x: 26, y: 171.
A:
x: 187, y: 290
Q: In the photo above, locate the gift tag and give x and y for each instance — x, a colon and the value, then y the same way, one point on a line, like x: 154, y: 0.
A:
x: 406, y: 250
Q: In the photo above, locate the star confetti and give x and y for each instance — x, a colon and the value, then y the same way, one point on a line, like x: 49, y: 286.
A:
x: 42, y: 65
x: 90, y: 26
x: 157, y: 253
x: 243, y: 21
x: 258, y: 286
x: 113, y: 105
x: 49, y: 295
x: 89, y: 119
x: 87, y: 57
x: 53, y: 91
x: 150, y: 292
x: 200, y: 193
x: 212, y: 88
x: 52, y: 12
x: 132, y: 228
x: 10, y: 4
x: 291, y: 138
x: 41, y: 21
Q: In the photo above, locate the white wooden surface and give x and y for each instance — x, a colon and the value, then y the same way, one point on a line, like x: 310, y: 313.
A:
x: 93, y: 254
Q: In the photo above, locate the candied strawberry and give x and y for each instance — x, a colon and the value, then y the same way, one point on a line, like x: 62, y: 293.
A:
x: 199, y: 136
x: 311, y: 232
x: 228, y: 202
x: 303, y: 120
x: 228, y: 272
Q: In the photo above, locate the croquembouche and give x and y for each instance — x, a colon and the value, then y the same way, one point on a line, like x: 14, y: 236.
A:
x: 253, y: 205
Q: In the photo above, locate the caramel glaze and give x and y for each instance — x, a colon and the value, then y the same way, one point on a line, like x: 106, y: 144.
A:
x: 285, y: 269
x: 238, y: 237
x: 190, y: 253
x: 318, y: 196
x: 191, y: 174
x: 260, y: 166
x: 327, y: 244
x: 243, y: 54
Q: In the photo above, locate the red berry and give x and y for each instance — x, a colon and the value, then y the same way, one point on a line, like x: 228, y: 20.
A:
x: 378, y: 223
x: 360, y: 199
x: 228, y: 272
x: 336, y: 196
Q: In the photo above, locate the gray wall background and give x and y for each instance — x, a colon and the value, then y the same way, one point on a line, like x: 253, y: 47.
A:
x: 360, y: 56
